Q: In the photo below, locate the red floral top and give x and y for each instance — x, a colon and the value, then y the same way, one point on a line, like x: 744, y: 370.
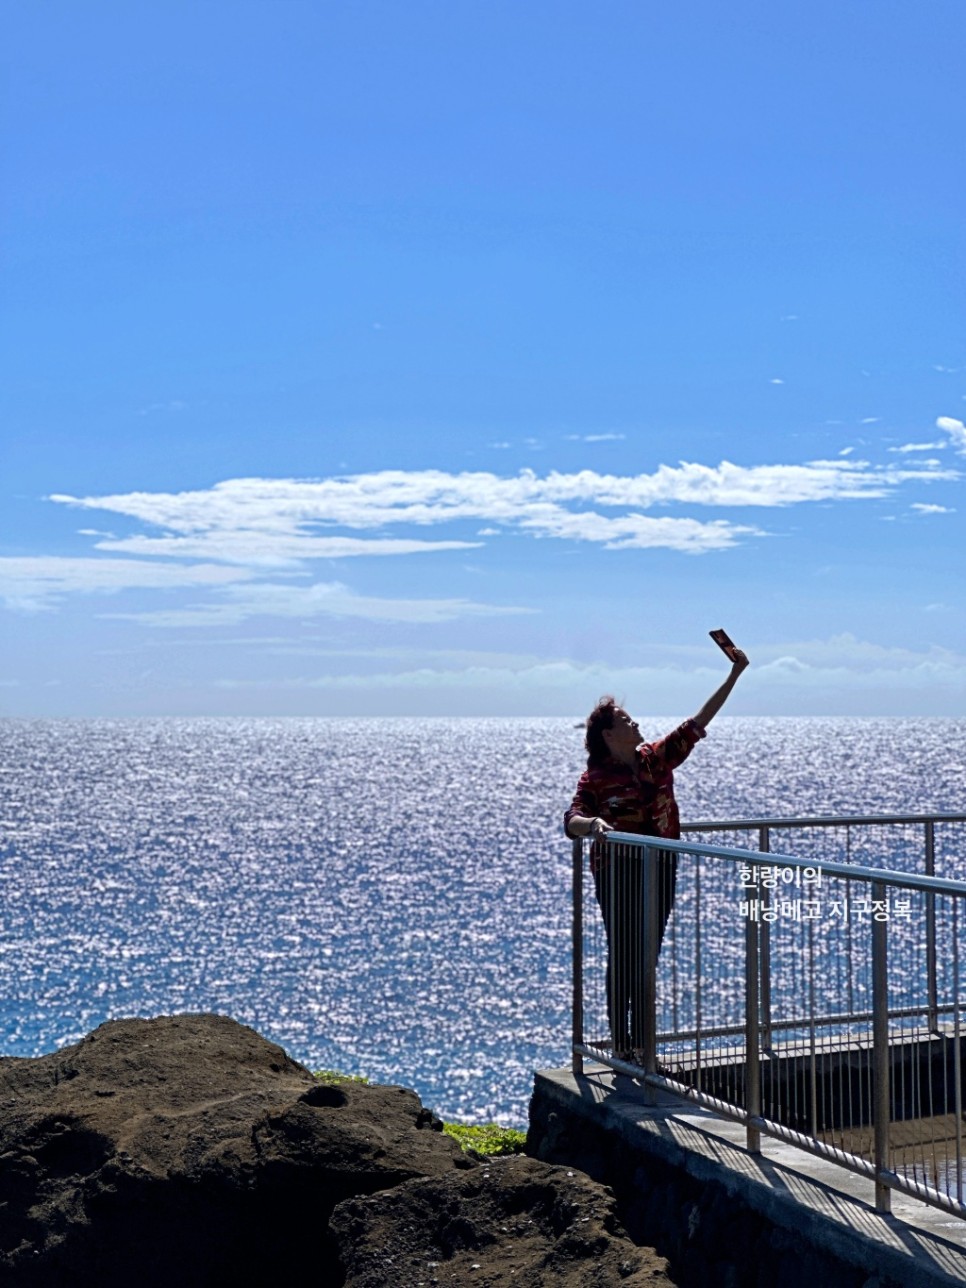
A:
x: 637, y: 799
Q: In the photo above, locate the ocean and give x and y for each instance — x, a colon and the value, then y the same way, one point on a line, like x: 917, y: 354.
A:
x: 388, y: 897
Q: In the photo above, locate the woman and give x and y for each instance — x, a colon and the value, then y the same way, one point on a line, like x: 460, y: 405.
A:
x: 628, y: 785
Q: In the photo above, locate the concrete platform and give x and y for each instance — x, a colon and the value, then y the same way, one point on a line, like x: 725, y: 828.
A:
x: 806, y: 1201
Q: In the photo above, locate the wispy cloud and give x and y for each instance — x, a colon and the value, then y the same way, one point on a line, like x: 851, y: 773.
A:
x: 237, y: 604
x: 922, y: 508
x: 917, y: 447
x: 38, y: 583
x: 242, y: 529
x: 637, y: 531
x: 259, y: 549
x: 282, y: 518
x: 955, y: 429
x: 844, y: 667
x: 538, y: 675
x: 595, y: 438
x: 846, y: 650
x: 841, y: 664
x: 404, y: 657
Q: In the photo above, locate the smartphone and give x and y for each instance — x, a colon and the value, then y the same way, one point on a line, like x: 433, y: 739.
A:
x: 725, y: 643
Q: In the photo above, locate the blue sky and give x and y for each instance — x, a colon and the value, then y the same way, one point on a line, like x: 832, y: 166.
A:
x: 478, y: 358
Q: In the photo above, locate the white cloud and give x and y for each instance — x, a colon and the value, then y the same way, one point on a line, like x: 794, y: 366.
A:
x: 917, y: 447
x: 448, y: 658
x: 870, y: 420
x: 37, y: 583
x: 936, y: 675
x: 846, y: 451
x: 841, y: 663
x: 922, y: 508
x: 539, y: 675
x: 955, y: 429
x: 286, y: 508
x: 323, y: 599
x: 264, y: 523
x: 637, y: 531
x: 847, y: 651
x: 777, y: 380
x: 603, y: 438
x: 255, y: 524
x: 251, y: 547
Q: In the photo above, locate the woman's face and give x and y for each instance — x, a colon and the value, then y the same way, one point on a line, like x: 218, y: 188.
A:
x: 624, y: 735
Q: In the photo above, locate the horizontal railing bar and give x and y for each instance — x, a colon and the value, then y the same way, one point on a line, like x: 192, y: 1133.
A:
x: 830, y: 820
x: 729, y: 1031
x: 852, y: 872
x: 854, y: 1017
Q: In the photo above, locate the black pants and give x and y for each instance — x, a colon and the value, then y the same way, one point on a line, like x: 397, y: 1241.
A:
x: 620, y: 892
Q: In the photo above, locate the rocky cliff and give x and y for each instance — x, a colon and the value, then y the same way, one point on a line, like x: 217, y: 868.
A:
x: 187, y: 1150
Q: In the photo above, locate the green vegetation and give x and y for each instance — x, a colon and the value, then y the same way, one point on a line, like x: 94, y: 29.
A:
x: 490, y: 1139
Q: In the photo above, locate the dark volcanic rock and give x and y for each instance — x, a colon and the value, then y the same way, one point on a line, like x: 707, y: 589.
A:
x: 187, y: 1150
x: 512, y: 1221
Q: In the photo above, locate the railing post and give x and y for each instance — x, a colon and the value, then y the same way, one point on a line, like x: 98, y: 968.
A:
x: 957, y: 1057
x: 577, y: 1060
x: 752, y: 1075
x: 764, y: 845
x: 932, y: 986
x: 650, y: 896
x: 880, y: 1049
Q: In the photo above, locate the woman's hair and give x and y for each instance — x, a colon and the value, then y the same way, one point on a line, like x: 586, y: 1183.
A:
x: 601, y: 718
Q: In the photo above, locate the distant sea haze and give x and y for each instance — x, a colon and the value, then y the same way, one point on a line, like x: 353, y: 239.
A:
x: 388, y: 897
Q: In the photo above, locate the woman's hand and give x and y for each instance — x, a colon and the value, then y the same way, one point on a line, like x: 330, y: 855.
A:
x: 739, y: 662
x: 582, y: 825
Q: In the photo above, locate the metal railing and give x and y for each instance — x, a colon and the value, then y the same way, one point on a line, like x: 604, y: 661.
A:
x: 927, y: 844
x: 815, y: 1000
